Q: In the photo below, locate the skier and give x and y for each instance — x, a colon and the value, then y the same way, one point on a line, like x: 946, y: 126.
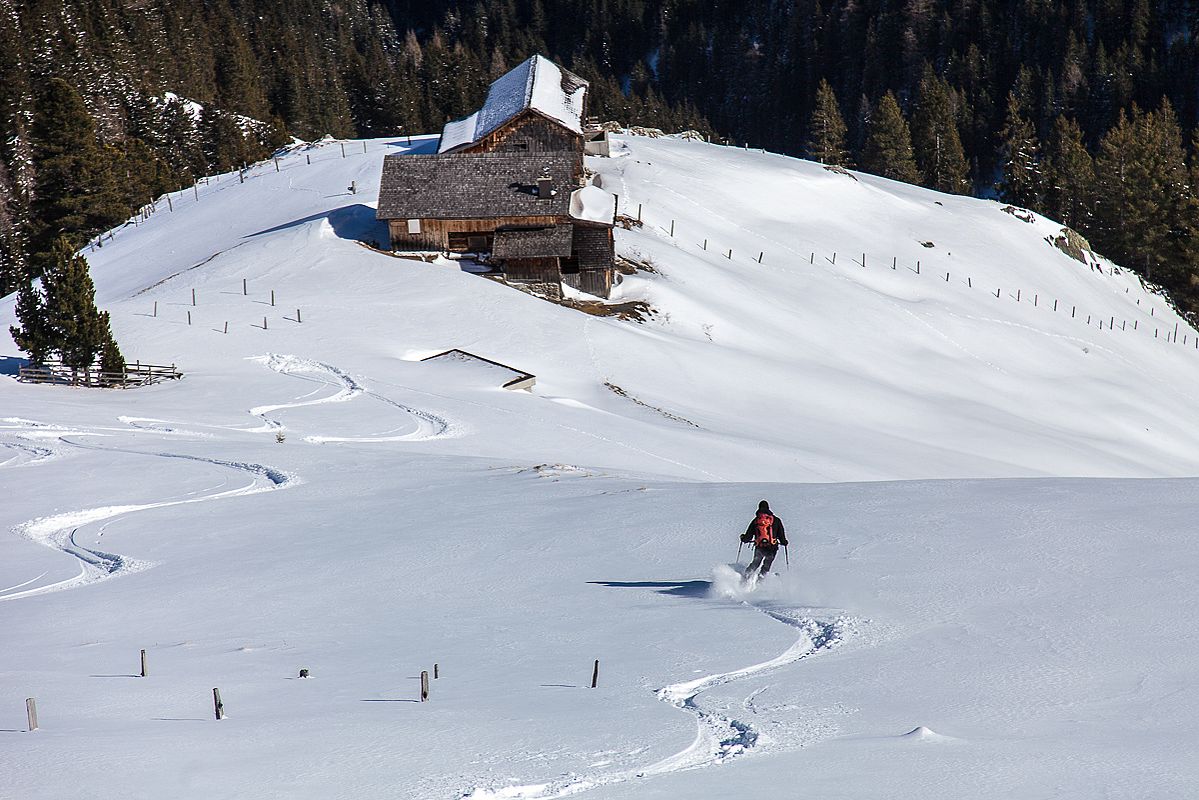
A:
x: 766, y: 532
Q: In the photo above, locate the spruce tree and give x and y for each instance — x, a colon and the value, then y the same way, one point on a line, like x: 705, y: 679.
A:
x: 826, y: 133
x: 935, y: 137
x: 34, y: 335
x: 1069, y: 176
x: 79, y: 330
x: 888, y: 149
x: 1022, y: 183
x: 111, y: 359
x: 76, y: 194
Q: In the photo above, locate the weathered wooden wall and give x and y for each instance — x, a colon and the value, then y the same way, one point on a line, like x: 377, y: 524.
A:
x: 435, y: 233
x: 535, y: 270
x: 530, y: 132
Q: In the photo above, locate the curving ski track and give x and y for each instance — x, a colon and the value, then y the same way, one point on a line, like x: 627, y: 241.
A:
x: 428, y: 425
x: 718, y: 738
x: 58, y: 531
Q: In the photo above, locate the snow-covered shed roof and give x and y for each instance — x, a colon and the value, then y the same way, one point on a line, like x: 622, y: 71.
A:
x: 474, y: 185
x: 536, y: 83
x: 593, y: 204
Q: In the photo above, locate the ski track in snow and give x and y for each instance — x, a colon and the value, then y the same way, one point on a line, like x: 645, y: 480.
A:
x: 718, y: 737
x: 58, y: 531
x: 428, y: 425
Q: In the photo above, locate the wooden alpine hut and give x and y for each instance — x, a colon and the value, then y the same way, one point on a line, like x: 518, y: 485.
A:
x: 507, y: 184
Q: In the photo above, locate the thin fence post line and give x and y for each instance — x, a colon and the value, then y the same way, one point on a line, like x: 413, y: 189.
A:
x: 1072, y: 310
x: 436, y: 671
x: 1036, y: 298
x: 1088, y: 319
x: 917, y: 266
x: 308, y: 158
x: 638, y: 212
x: 894, y: 262
x: 276, y: 160
x: 730, y: 255
x: 1175, y: 332
x: 343, y: 149
x: 144, y: 672
x: 705, y: 244
x: 760, y: 255
x: 226, y: 326
x: 672, y: 229
x: 969, y: 282
x: 31, y: 713
x: 298, y: 319
x: 997, y: 292
x: 170, y: 205
x: 1135, y: 323
x: 1055, y: 305
x: 243, y: 287
x: 1152, y: 311
x: 863, y: 260
x: 156, y: 308
x: 834, y: 256
x: 193, y: 297
x: 1017, y: 295
x: 1155, y: 333
x: 1123, y: 324
x: 218, y: 707
x: 272, y: 298
x: 424, y: 685
x: 947, y: 277
x: 812, y: 260
x: 364, y: 146
x: 595, y: 674
x: 196, y: 189
x: 189, y: 318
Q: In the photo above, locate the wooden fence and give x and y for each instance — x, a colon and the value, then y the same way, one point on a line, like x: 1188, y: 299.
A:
x: 136, y: 374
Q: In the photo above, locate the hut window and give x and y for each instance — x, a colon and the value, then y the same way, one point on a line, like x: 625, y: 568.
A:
x: 414, y: 226
x: 521, y: 145
x: 570, y: 266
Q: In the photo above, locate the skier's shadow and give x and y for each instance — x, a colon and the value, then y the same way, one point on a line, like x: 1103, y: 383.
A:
x: 672, y: 588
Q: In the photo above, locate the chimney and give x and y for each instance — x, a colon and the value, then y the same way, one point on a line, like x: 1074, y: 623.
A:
x: 545, y: 189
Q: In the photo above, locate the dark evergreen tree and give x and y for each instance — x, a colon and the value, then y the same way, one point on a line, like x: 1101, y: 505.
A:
x: 78, y: 328
x: 111, y: 359
x: 826, y: 132
x: 33, y: 335
x: 1069, y: 176
x: 888, y: 149
x: 76, y: 193
x: 935, y: 137
x: 1023, y: 181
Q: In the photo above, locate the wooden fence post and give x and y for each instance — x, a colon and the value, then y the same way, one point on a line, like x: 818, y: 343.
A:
x: 705, y: 244
x: 156, y: 308
x: 595, y: 674
x: 730, y: 255
x: 144, y: 673
x: 189, y: 318
x: 760, y: 254
x: 31, y: 713
x: 436, y: 672
x: 298, y: 316
x: 217, y: 706
x: 917, y: 267
x: 276, y: 160
x: 672, y: 229
x: 264, y: 323
x: 638, y: 212
x: 308, y: 158
x: 894, y: 262
x: 226, y: 326
x: 196, y: 189
x: 243, y: 286
x: 170, y: 205
x: 193, y: 297
x: 272, y: 298
x: 424, y: 685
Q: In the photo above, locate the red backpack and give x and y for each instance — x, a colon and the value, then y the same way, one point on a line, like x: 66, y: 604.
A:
x: 764, y: 531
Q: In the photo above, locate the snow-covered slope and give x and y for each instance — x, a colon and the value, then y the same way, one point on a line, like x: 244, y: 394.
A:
x: 415, y: 513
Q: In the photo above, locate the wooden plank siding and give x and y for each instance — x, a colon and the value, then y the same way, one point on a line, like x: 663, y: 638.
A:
x: 435, y: 233
x: 530, y: 132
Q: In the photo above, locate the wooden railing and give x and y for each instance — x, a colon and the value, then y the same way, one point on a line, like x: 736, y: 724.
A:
x: 135, y: 374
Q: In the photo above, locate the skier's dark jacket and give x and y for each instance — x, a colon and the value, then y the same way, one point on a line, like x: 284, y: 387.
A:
x: 777, y: 529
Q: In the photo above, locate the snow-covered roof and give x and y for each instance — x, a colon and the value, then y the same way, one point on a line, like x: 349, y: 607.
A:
x: 593, y: 204
x: 536, y: 83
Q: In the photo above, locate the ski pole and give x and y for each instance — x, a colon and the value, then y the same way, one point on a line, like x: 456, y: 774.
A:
x: 787, y: 556
x: 739, y: 552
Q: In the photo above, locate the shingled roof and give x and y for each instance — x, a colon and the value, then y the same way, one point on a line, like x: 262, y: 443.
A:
x: 535, y: 243
x: 474, y: 185
x: 537, y: 84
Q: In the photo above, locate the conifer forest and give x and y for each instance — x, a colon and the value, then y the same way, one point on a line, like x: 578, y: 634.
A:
x: 1083, y: 110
